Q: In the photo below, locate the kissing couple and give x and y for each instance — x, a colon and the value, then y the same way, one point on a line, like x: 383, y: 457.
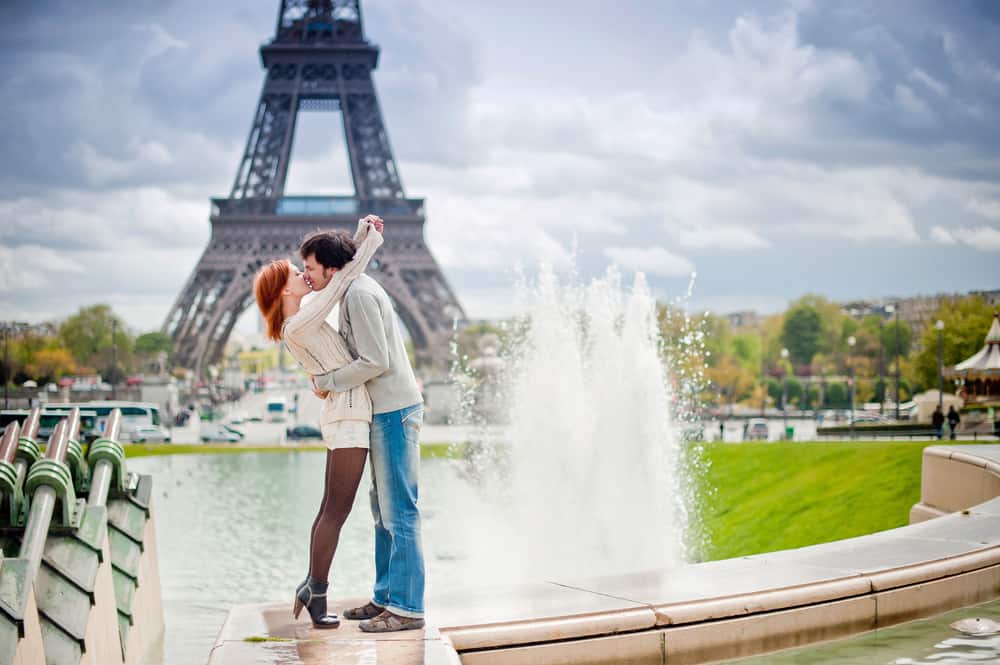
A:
x: 372, y: 409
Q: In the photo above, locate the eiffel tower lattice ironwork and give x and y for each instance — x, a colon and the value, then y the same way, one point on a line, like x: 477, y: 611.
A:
x: 319, y: 60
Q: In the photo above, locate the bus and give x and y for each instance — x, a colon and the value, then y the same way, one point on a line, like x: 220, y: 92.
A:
x: 48, y: 421
x: 276, y: 409
x: 134, y: 414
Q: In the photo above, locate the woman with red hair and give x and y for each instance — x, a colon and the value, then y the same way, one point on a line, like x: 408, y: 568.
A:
x: 346, y: 417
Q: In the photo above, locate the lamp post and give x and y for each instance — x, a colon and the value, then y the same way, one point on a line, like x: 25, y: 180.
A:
x: 881, y: 366
x: 897, y: 353
x: 784, y: 392
x: 851, y: 341
x: 894, y: 310
x: 114, y: 358
x: 940, y: 328
x: 763, y: 380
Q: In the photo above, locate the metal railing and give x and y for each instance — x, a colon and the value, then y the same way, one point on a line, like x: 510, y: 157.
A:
x: 43, y: 498
x: 104, y: 465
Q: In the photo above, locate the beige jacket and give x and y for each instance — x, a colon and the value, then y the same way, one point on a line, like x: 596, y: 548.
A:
x: 318, y: 347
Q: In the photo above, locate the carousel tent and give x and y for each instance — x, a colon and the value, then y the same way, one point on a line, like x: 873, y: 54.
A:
x: 980, y: 374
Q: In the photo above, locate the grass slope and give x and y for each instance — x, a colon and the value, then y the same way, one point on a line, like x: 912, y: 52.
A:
x: 761, y: 497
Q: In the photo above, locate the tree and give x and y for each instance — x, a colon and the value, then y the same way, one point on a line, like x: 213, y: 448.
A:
x: 748, y: 350
x: 793, y: 391
x: 889, y: 339
x: 837, y: 395
x: 52, y: 363
x: 731, y: 379
x: 151, y: 343
x: 87, y: 335
x: 802, y: 333
x: 810, y: 397
x: 966, y: 322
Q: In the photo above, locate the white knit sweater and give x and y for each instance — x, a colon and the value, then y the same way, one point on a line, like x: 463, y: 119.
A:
x: 318, y: 347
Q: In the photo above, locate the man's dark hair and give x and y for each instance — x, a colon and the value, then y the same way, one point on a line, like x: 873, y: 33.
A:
x: 332, y: 249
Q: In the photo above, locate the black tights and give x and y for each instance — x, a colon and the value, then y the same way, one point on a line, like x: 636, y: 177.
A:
x: 344, y: 467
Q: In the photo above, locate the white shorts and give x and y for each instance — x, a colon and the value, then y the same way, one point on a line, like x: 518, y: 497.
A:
x: 347, y: 434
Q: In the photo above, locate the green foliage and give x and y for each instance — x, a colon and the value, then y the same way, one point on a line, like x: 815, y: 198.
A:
x: 762, y: 497
x: 748, y: 350
x: 87, y: 335
x: 892, y: 343
x: 837, y: 395
x: 810, y: 399
x: 966, y: 323
x: 793, y: 391
x: 802, y: 333
x: 151, y: 343
x: 774, y: 389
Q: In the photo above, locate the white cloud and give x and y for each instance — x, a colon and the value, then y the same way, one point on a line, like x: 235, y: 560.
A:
x: 721, y: 237
x: 34, y: 268
x: 923, y: 77
x: 652, y: 260
x: 942, y: 235
x: 985, y: 238
x: 986, y: 207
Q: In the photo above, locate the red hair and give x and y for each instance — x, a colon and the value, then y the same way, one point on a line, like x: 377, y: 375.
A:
x: 268, y: 284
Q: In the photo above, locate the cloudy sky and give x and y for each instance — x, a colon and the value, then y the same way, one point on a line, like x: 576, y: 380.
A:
x: 849, y: 149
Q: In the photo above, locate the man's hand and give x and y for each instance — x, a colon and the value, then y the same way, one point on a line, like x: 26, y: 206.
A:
x: 322, y: 394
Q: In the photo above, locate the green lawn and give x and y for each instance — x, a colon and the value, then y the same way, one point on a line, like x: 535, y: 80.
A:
x: 774, y: 496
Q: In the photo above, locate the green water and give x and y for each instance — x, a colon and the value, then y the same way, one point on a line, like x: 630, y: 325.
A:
x: 925, y: 642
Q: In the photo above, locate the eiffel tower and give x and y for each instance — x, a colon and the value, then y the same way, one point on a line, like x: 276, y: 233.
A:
x: 319, y: 60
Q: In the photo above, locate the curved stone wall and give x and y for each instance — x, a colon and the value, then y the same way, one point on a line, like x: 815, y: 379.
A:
x: 698, y: 613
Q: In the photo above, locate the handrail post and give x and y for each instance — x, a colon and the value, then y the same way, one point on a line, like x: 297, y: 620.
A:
x: 27, y: 447
x: 107, y: 459
x: 43, y: 500
x: 10, y: 479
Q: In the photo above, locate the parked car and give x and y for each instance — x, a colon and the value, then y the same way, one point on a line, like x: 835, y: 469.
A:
x: 757, y: 430
x: 303, y: 432
x: 150, y: 434
x: 220, y: 433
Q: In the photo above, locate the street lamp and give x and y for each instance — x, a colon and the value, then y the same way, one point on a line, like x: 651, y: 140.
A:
x: 940, y: 328
x: 881, y: 366
x: 784, y: 391
x: 897, y: 353
x: 894, y: 309
x: 851, y: 341
x: 114, y: 358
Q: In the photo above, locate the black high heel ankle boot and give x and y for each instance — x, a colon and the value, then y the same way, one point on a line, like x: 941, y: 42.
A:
x: 311, y: 594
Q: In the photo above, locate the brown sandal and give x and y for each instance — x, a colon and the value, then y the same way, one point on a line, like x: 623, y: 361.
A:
x: 368, y: 611
x: 387, y: 622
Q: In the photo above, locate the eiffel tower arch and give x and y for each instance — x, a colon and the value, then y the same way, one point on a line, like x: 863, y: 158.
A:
x: 319, y: 60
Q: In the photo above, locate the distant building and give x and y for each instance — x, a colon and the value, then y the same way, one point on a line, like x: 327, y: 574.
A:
x: 917, y: 311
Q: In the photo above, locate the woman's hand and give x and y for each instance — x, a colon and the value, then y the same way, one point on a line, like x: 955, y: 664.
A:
x: 375, y: 221
x: 322, y: 394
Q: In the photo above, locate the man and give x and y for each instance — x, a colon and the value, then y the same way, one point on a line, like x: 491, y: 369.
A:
x: 937, y: 421
x: 368, y: 325
x: 953, y: 420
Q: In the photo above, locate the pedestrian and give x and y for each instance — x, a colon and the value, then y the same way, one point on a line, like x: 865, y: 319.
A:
x: 953, y: 420
x: 937, y: 421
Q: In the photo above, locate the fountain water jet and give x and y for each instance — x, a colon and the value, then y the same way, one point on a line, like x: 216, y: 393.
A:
x: 589, y: 479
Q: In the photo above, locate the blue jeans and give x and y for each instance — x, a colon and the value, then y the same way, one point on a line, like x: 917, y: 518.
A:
x: 399, y: 557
